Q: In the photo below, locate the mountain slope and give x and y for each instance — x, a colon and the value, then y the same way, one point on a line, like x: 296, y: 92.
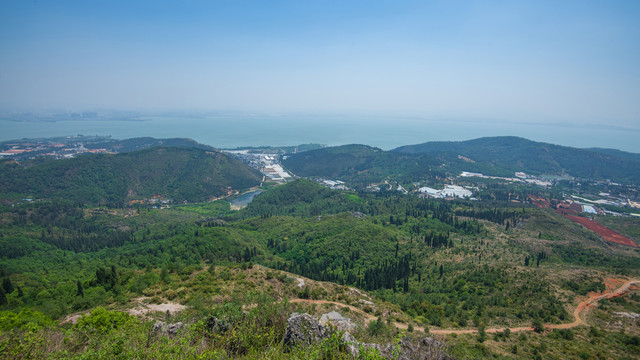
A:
x: 176, y: 173
x: 358, y: 163
x: 142, y: 143
x: 616, y: 153
x: 518, y: 154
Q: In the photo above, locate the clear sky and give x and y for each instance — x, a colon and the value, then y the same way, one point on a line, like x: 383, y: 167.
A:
x: 547, y: 61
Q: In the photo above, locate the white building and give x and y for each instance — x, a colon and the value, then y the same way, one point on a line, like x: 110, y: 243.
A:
x: 448, y: 191
x: 429, y: 191
x: 456, y: 191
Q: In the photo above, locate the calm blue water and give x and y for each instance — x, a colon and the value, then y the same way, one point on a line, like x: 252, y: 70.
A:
x: 245, y: 199
x: 224, y: 131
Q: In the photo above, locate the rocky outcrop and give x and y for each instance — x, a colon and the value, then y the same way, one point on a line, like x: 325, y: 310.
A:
x: 160, y: 328
x: 427, y: 348
x: 337, y: 321
x: 216, y: 325
x: 303, y: 330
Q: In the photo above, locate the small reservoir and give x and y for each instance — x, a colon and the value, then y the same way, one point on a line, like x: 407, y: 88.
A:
x: 244, y: 200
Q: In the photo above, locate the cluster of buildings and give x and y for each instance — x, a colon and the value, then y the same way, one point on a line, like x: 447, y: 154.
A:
x: 519, y: 177
x: 333, y: 184
x: 53, y: 149
x: 157, y: 201
x: 449, y: 192
x: 267, y: 164
x: 608, y: 200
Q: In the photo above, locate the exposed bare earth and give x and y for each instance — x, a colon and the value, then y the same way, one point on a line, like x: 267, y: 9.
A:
x: 142, y: 309
x: 578, y: 313
x: 603, y: 231
x: 571, y: 210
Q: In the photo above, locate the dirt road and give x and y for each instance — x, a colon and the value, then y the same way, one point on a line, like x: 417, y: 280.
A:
x: 578, y: 313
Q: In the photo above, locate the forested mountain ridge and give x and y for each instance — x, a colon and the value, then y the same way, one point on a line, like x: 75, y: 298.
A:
x: 518, y: 154
x: 175, y: 173
x: 142, y: 143
x: 359, y: 163
x: 616, y: 153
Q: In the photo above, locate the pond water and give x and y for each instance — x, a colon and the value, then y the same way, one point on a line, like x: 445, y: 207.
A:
x: 244, y: 199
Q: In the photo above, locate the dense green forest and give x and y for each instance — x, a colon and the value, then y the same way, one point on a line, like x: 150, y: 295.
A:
x: 362, y: 164
x: 134, y: 144
x: 518, y: 154
x: 385, y: 242
x: 174, y: 173
x: 428, y: 263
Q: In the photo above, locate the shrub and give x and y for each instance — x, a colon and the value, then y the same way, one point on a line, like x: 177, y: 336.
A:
x: 10, y: 320
x: 377, y: 327
x: 103, y: 321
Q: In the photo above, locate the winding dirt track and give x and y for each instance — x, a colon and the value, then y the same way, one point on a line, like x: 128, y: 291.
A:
x: 578, y: 313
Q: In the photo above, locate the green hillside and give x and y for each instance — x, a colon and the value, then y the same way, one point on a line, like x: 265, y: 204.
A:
x: 518, y: 154
x: 430, y: 264
x: 175, y: 173
x: 142, y: 143
x: 359, y: 163
x: 616, y: 153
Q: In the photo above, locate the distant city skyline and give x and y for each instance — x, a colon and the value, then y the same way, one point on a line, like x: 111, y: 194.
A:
x: 573, y: 62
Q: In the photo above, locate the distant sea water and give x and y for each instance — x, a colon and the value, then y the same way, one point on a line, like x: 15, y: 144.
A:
x: 229, y: 131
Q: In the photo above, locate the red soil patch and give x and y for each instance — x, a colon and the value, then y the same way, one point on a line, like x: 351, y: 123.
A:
x: 569, y: 210
x: 613, y: 283
x: 605, y: 232
x: 540, y: 201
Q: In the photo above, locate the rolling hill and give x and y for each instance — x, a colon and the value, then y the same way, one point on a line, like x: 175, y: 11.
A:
x: 359, y: 163
x: 142, y: 143
x: 518, y: 154
x: 176, y: 173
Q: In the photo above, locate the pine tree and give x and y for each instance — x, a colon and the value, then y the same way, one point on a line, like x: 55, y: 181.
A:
x: 80, y: 291
x: 7, y: 285
x: 3, y: 297
x: 537, y: 325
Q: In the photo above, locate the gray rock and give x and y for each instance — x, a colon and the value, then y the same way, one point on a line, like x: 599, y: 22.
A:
x: 172, y: 329
x: 627, y: 315
x: 160, y: 328
x: 157, y: 327
x: 431, y: 343
x: 217, y: 325
x: 303, y: 330
x: 338, y: 321
x: 351, y: 344
x: 428, y: 348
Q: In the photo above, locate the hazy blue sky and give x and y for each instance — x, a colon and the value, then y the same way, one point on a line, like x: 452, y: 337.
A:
x: 512, y: 60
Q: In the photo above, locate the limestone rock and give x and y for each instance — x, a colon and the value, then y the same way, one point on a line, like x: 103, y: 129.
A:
x: 428, y: 348
x: 216, y: 325
x: 338, y: 321
x: 160, y: 328
x: 302, y: 329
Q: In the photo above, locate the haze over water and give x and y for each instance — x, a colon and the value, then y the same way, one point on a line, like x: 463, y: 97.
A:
x: 404, y: 72
x: 236, y: 130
